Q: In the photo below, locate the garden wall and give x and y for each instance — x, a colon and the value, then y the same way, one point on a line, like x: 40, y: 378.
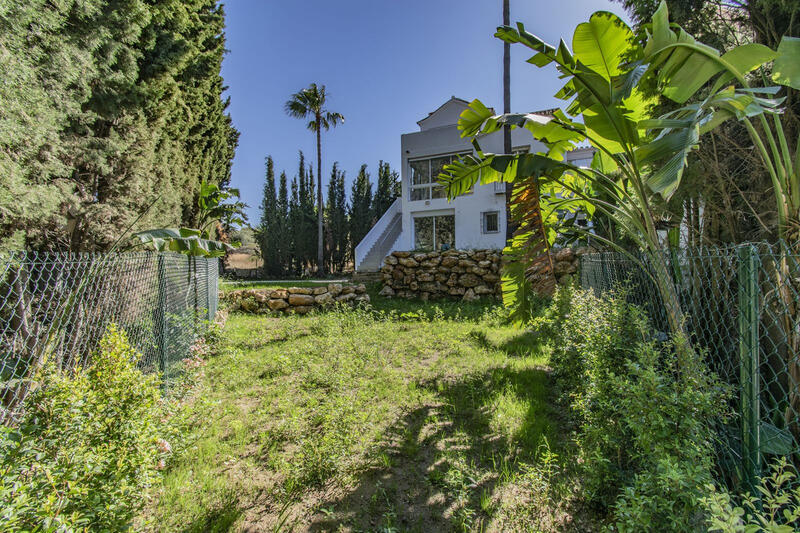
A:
x: 457, y: 274
x: 299, y: 300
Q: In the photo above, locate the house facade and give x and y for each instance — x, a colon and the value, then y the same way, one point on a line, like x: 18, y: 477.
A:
x: 422, y: 218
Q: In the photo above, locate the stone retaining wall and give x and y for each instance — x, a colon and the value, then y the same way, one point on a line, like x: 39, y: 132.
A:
x: 298, y: 300
x: 458, y: 274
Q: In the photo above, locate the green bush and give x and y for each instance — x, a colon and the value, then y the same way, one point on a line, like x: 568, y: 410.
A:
x: 777, y: 510
x: 87, y: 447
x: 643, y: 411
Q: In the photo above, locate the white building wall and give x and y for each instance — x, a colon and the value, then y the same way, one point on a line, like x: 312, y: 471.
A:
x: 468, y: 209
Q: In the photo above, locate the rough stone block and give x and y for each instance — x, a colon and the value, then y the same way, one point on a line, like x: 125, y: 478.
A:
x: 277, y: 305
x: 335, y: 289
x: 300, y: 299
x: 300, y: 290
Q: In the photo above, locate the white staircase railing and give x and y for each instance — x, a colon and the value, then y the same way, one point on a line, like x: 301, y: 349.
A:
x: 373, y: 235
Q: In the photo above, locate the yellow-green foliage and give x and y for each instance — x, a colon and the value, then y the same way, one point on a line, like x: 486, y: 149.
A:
x: 86, y: 450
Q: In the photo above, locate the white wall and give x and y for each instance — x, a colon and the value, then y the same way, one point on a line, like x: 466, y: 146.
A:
x: 444, y: 140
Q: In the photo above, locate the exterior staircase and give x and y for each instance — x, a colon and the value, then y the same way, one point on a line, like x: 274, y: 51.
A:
x: 378, y: 243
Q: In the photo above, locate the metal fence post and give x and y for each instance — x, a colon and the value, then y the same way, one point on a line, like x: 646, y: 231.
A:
x: 161, y: 316
x: 748, y: 363
x: 208, y: 290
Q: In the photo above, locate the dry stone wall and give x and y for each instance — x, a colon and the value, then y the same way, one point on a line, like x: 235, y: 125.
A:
x: 458, y: 274
x: 298, y: 300
x: 455, y: 274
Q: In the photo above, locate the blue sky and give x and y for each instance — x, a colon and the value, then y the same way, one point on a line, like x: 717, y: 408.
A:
x: 386, y: 64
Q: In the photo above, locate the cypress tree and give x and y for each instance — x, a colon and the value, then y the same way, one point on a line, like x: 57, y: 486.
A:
x: 120, y: 105
x: 386, y: 192
x: 360, y: 207
x: 284, y: 236
x: 295, y: 229
x: 268, y: 229
x: 336, y: 220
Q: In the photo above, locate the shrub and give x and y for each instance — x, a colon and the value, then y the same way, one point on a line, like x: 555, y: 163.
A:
x: 87, y: 447
x: 643, y: 413
x: 777, y: 509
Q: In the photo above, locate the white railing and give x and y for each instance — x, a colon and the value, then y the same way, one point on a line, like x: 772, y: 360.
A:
x: 371, y: 238
x: 499, y: 187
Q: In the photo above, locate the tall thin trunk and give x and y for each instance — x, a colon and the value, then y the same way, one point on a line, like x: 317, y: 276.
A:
x: 507, y: 109
x: 320, y: 258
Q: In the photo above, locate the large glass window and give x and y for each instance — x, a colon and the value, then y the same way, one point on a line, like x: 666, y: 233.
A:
x: 423, y: 176
x: 435, y: 232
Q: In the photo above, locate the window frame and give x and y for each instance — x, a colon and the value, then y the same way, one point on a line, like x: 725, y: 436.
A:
x: 484, y: 226
x: 432, y: 183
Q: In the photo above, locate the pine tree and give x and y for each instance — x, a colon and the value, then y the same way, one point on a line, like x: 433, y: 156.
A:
x: 360, y: 207
x: 268, y: 229
x: 386, y: 192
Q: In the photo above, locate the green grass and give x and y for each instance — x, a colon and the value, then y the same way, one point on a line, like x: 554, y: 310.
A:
x: 413, y: 417
x: 280, y: 284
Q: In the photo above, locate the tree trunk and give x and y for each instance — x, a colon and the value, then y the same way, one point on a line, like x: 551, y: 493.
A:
x: 507, y: 109
x: 320, y: 255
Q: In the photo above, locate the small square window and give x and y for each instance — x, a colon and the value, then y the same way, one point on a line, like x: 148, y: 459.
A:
x: 491, y: 222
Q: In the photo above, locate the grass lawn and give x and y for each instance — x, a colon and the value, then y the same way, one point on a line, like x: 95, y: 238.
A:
x: 426, y: 418
x: 278, y: 284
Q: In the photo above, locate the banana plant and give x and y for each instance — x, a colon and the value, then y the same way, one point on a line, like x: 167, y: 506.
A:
x: 685, y: 69
x: 640, y: 158
x: 604, y: 107
x: 213, y: 209
x: 187, y: 241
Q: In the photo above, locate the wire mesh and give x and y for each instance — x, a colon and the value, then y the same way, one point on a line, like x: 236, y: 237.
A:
x: 55, y: 307
x: 741, y: 306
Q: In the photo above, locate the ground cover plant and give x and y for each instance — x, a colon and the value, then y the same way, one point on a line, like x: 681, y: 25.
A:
x: 427, y: 417
x: 644, y: 411
x: 91, y: 443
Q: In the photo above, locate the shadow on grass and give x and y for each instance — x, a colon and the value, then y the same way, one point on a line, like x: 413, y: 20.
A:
x: 440, y: 462
x: 523, y: 344
x: 216, y: 520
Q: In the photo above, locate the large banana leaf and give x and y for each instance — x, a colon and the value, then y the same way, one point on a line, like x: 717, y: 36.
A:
x: 684, y: 65
x: 183, y: 240
x: 601, y: 44
x: 786, y: 70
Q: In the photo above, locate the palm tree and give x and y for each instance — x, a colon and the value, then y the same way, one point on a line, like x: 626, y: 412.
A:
x: 310, y: 102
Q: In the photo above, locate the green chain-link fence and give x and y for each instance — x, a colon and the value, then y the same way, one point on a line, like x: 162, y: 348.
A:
x: 742, y: 307
x: 57, y: 306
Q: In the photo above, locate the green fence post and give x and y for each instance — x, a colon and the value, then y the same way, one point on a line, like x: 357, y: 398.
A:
x: 208, y: 289
x: 161, y: 317
x: 748, y: 363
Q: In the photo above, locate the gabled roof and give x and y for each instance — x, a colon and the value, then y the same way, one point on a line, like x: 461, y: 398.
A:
x: 453, y: 100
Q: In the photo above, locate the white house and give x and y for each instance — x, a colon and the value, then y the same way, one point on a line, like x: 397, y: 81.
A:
x: 422, y: 218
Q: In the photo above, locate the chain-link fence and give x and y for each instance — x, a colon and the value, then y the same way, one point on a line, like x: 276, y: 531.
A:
x: 55, y: 307
x: 741, y: 305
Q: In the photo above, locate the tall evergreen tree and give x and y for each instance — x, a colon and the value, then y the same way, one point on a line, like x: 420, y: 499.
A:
x: 121, y: 106
x: 284, y: 236
x: 295, y: 229
x: 387, y: 190
x: 336, y: 219
x: 269, y: 233
x: 360, y: 207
